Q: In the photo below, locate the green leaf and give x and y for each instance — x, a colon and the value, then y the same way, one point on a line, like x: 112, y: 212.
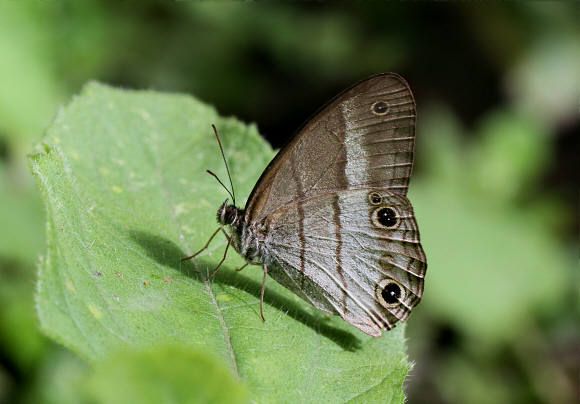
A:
x: 122, y: 177
x: 167, y: 375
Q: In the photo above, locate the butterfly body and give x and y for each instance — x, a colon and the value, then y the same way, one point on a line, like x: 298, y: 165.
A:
x: 329, y: 218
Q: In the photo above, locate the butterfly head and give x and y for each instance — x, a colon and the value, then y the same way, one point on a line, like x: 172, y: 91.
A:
x: 229, y: 215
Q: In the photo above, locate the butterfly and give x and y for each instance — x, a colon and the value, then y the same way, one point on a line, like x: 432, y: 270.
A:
x: 329, y: 218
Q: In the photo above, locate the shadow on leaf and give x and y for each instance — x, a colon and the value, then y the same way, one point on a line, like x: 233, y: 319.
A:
x: 167, y: 253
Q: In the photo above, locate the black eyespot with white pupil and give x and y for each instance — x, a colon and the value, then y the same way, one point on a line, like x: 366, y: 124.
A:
x: 385, y: 217
x: 380, y: 108
x: 390, y: 293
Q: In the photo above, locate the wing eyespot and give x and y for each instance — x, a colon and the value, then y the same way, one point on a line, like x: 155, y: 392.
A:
x: 380, y: 108
x: 390, y: 293
x: 375, y: 198
x: 385, y: 217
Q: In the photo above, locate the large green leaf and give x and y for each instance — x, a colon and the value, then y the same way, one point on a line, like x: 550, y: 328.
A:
x: 168, y: 375
x: 122, y: 177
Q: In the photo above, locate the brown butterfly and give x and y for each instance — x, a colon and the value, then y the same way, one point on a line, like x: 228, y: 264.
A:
x: 329, y: 218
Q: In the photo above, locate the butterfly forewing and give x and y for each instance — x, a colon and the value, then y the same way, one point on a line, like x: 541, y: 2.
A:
x: 364, y: 136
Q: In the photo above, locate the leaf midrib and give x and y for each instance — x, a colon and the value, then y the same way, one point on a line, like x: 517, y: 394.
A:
x: 220, y: 317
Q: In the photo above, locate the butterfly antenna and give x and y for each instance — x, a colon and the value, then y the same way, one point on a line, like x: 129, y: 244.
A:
x: 222, y: 184
x: 232, y: 193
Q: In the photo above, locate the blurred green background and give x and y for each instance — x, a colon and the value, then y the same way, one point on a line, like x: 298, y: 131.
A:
x: 495, y: 185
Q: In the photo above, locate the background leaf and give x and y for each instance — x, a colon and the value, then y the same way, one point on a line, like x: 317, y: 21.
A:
x: 485, y: 253
x: 170, y: 374
x: 122, y: 177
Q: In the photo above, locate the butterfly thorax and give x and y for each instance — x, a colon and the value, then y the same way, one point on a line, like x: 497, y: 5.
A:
x: 234, y: 218
x: 244, y: 242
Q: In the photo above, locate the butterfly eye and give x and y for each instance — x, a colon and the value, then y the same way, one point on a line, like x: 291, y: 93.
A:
x: 375, y: 198
x: 390, y: 293
x: 380, y: 108
x: 385, y: 217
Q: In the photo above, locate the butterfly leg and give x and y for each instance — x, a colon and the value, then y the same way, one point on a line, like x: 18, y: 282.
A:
x: 262, y: 293
x: 230, y: 240
x: 205, y: 246
x: 243, y: 266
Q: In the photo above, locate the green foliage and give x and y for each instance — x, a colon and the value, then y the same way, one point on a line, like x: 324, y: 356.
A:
x: 26, y: 73
x: 122, y: 178
x: 20, y: 218
x: 486, y: 253
x: 17, y: 318
x: 172, y: 374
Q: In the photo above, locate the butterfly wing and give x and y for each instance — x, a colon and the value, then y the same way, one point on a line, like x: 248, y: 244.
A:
x: 355, y: 253
x: 311, y: 212
x: 363, y: 137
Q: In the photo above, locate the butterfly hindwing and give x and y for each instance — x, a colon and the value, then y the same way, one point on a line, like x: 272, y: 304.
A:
x: 332, y: 251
